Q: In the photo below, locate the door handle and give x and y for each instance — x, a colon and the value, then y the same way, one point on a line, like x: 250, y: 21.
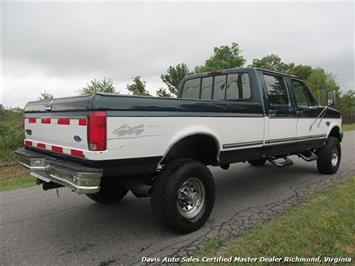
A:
x: 272, y: 112
x: 299, y: 112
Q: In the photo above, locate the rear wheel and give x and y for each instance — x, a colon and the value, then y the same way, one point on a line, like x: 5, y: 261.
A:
x: 329, y: 157
x: 111, y: 191
x: 183, y: 195
x: 258, y: 162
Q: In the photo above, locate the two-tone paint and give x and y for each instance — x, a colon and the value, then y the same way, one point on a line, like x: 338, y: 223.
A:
x: 142, y: 130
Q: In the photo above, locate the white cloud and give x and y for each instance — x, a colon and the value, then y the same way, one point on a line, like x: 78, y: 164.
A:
x: 60, y: 47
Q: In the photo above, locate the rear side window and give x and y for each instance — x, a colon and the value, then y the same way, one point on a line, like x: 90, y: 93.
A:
x: 219, y: 90
x: 191, y: 89
x: 276, y: 89
x: 238, y: 87
x: 206, y: 88
x: 234, y: 86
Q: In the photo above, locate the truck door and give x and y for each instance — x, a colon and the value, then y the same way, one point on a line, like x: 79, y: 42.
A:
x: 307, y: 111
x: 281, y: 118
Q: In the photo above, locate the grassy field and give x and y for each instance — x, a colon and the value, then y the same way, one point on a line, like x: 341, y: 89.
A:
x: 323, y: 225
x: 348, y: 127
x: 12, y: 177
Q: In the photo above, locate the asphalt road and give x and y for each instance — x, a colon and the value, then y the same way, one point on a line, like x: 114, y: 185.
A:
x: 38, y: 228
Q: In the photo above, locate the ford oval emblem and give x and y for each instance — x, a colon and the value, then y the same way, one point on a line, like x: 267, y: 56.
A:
x: 77, y: 138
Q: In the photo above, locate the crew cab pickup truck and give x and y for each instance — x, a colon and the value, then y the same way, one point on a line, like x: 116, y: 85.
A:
x: 104, y: 145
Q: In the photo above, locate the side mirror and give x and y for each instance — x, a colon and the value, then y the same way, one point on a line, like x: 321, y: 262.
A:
x: 331, y: 98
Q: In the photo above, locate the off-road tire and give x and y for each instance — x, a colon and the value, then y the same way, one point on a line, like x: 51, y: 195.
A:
x: 257, y: 162
x: 111, y: 191
x: 167, y: 188
x: 325, y: 155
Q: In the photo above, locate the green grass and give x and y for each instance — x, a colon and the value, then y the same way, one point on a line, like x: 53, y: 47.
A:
x: 13, y: 177
x: 323, y: 225
x: 348, y: 127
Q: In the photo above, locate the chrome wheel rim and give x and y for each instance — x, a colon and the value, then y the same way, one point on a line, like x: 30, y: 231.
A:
x: 191, y: 198
x: 334, y: 157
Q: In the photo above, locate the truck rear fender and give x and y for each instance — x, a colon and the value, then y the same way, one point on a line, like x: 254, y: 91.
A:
x: 198, y: 143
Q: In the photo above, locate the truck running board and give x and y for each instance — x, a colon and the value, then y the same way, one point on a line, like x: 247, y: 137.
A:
x: 286, y: 161
x: 308, y: 156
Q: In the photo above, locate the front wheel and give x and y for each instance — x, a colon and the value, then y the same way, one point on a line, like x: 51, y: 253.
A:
x: 183, y: 195
x: 329, y: 157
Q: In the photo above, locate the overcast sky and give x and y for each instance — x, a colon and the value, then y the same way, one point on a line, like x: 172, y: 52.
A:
x: 61, y: 47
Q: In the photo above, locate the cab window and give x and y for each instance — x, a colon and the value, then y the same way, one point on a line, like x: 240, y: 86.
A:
x: 234, y: 86
x: 206, y: 88
x: 238, y: 87
x: 191, y: 89
x: 276, y: 89
x: 219, y: 88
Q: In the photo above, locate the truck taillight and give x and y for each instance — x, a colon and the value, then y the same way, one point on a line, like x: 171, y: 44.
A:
x: 97, y: 131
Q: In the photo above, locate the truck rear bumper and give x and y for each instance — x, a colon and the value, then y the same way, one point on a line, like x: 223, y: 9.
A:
x: 79, y: 178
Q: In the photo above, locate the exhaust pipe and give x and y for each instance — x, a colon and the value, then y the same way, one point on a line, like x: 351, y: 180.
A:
x: 141, y: 190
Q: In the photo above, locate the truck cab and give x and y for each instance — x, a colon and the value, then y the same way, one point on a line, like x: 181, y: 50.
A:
x: 292, y: 118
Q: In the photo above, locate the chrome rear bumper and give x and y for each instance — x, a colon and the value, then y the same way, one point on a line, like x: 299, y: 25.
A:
x: 79, y: 178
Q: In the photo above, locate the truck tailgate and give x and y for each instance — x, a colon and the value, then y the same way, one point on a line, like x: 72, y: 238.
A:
x: 62, y: 134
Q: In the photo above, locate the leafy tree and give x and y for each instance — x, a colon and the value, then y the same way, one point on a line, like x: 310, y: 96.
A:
x: 163, y: 93
x: 271, y: 62
x: 274, y: 62
x: 173, y: 77
x: 346, y: 102
x: 46, y: 96
x: 320, y: 81
x: 138, y: 87
x: 105, y: 85
x: 223, y: 57
x: 301, y: 71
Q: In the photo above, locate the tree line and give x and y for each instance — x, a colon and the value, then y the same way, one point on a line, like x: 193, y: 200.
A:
x: 230, y: 56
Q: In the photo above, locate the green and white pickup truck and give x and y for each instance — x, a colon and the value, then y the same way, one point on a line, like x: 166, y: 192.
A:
x: 105, y: 145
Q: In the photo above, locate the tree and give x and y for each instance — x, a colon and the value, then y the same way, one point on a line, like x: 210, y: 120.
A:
x: 301, y: 71
x: 271, y: 62
x: 346, y: 103
x: 11, y: 133
x: 223, y: 57
x: 46, y: 96
x: 138, y: 87
x: 173, y: 77
x: 163, y: 93
x: 105, y: 85
x: 320, y: 81
x: 274, y: 63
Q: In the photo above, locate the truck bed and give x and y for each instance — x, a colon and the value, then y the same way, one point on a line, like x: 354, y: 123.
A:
x: 115, y: 102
